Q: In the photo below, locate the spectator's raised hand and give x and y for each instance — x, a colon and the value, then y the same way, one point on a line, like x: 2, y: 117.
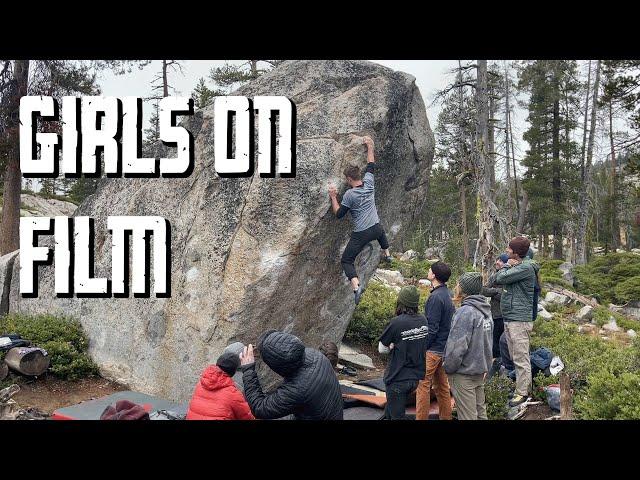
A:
x: 512, y: 262
x: 246, y: 357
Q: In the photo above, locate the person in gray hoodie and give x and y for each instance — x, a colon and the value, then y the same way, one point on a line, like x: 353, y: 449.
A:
x: 468, y: 355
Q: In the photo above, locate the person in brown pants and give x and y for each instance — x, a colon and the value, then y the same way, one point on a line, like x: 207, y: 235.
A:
x: 439, y: 310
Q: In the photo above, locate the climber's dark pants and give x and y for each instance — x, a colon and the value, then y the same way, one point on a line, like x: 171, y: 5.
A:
x: 357, y: 243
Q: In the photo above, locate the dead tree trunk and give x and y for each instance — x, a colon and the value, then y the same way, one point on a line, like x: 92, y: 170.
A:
x: 10, y: 227
x: 566, y: 401
x: 583, y: 206
x: 489, y: 224
x: 586, y: 116
x: 165, y: 79
x: 615, y: 228
x: 463, y: 164
x: 522, y: 213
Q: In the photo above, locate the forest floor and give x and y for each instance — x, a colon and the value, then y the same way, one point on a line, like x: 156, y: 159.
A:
x: 48, y: 393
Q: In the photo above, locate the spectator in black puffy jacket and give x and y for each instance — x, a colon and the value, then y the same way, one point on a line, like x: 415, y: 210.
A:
x: 310, y: 390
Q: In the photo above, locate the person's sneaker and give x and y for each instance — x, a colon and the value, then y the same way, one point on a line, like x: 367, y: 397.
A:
x: 517, y: 400
x: 358, y: 294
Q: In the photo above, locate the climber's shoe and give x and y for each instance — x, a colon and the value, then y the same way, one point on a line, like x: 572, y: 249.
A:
x: 517, y: 400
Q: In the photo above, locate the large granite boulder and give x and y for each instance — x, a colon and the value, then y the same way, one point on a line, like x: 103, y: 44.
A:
x: 254, y: 253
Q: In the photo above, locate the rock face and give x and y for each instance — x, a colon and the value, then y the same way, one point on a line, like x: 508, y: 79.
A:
x: 249, y: 254
x: 36, y: 206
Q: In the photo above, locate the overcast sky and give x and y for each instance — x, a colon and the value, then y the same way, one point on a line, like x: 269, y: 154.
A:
x: 431, y: 76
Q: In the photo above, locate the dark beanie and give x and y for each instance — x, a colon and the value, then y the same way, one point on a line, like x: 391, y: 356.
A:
x: 228, y: 363
x: 409, y: 296
x: 504, y: 258
x: 470, y: 283
x: 520, y: 245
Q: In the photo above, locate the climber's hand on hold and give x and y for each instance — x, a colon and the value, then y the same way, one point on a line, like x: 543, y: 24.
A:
x: 333, y: 191
x: 247, y: 358
x: 368, y: 142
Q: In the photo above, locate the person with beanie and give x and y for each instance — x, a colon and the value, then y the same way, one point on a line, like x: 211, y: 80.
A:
x: 519, y: 279
x: 405, y: 340
x: 216, y: 397
x: 309, y: 390
x: 236, y: 348
x: 467, y: 356
x: 494, y: 292
x: 439, y: 311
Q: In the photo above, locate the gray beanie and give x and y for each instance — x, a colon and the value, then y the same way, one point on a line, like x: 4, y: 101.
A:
x: 470, y: 283
x: 235, y: 347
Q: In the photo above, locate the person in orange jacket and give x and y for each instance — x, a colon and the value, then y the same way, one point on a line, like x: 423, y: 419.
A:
x: 216, y: 396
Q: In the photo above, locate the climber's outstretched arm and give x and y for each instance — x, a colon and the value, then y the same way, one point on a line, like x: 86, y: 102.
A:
x: 369, y: 143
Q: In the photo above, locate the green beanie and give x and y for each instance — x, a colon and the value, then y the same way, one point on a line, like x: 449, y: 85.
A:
x: 470, y: 283
x: 409, y: 296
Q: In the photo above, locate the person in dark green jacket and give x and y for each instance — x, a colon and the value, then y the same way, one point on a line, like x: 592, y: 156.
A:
x: 519, y: 278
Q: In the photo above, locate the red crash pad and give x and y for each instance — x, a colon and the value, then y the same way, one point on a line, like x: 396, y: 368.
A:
x: 92, y: 409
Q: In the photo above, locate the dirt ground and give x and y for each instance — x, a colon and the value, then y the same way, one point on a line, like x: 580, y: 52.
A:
x: 48, y: 393
x: 538, y: 412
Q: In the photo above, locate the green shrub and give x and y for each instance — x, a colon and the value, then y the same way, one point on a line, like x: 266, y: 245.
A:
x: 496, y: 393
x: 593, y: 365
x: 549, y: 272
x: 628, y: 289
x: 610, y: 397
x: 376, y: 308
x: 604, y: 277
x: 540, y: 381
x: 63, y: 338
x: 412, y: 269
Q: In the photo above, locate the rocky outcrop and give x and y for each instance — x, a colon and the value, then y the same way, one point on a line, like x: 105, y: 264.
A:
x: 254, y: 253
x: 37, y: 206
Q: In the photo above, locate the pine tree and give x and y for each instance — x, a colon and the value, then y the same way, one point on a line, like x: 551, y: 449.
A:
x: 229, y: 76
x: 552, y: 159
x: 202, y: 95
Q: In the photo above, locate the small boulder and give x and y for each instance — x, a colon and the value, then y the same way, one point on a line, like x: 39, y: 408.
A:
x: 408, y: 255
x: 612, y: 326
x: 557, y: 298
x: 567, y: 272
x: 585, y: 314
x: 389, y: 277
x: 423, y: 282
x: 349, y: 355
x: 632, y: 333
x: 432, y: 253
x: 587, y: 328
x: 544, y: 314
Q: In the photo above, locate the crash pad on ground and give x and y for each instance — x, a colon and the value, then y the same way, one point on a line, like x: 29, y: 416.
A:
x: 363, y: 413
x: 377, y: 383
x: 348, y: 389
x: 92, y: 409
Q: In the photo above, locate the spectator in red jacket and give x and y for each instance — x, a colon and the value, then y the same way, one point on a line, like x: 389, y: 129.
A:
x: 216, y: 396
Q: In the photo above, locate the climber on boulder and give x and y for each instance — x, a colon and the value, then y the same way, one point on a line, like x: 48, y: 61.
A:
x: 359, y: 199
